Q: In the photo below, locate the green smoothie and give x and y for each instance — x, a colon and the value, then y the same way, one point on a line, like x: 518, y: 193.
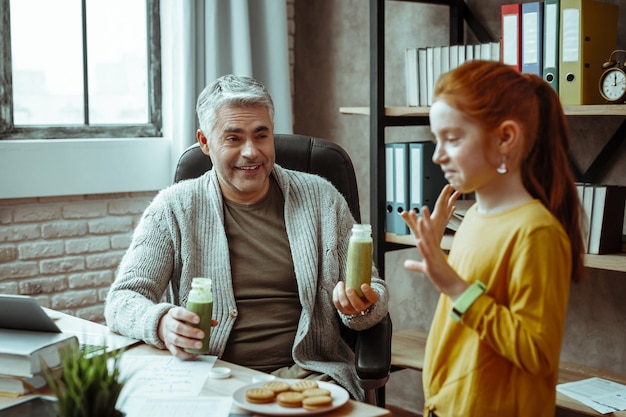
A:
x: 205, y: 311
x: 359, y: 265
x: 200, y: 301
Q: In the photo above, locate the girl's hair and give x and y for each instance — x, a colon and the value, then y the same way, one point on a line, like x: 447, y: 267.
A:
x: 490, y: 93
x: 230, y: 90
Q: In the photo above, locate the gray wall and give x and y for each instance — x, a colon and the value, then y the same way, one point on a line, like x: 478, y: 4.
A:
x: 332, y: 71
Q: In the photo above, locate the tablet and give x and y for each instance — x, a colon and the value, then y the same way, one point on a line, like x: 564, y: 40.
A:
x: 22, y: 312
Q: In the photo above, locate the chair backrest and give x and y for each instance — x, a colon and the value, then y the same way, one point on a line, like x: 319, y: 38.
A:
x: 297, y: 152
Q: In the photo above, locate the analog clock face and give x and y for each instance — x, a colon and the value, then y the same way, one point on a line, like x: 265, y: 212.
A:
x: 613, y: 85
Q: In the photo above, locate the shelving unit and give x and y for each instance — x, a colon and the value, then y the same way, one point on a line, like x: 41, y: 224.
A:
x: 382, y: 117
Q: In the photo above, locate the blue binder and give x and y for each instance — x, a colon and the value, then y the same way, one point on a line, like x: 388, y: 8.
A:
x: 532, y: 38
x: 426, y: 178
x: 400, y: 202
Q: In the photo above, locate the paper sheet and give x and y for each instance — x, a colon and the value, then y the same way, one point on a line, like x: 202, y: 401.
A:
x: 164, y: 386
x: 160, y: 375
x: 600, y: 394
x: 179, y: 407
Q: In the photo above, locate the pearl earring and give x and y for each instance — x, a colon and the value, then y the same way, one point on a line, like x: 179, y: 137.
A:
x: 503, y: 169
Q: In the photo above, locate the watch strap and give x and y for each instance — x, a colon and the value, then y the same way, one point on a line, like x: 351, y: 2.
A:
x: 465, y: 300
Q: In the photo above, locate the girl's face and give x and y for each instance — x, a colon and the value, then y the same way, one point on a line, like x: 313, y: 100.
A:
x: 466, y: 153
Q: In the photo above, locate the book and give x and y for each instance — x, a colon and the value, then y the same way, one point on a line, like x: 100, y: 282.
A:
x: 26, y: 353
x: 422, y: 77
x: 607, y: 219
x: 587, y: 201
x: 430, y: 75
x: 411, y: 77
x: 39, y: 406
x: 14, y: 386
x: 454, y: 56
x: 457, y: 217
x: 469, y: 53
x: 445, y: 59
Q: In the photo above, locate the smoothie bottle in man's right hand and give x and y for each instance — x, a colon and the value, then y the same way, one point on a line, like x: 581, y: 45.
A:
x: 200, y: 301
x: 360, y: 251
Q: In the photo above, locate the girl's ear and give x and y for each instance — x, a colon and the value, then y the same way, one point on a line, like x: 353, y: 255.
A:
x: 509, y: 134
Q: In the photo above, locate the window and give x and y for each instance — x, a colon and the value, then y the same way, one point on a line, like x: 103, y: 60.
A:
x: 80, y: 68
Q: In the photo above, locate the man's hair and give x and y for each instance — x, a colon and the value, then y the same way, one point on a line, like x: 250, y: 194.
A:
x: 230, y: 90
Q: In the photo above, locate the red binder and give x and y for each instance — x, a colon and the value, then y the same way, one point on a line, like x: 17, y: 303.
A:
x: 511, y: 35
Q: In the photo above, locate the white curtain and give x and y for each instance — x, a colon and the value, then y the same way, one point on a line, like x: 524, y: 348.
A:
x: 205, y: 39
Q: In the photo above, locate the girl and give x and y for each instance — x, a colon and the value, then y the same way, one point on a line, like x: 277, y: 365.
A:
x: 494, y: 344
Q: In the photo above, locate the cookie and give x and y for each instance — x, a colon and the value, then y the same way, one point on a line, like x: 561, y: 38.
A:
x: 315, y: 403
x: 290, y: 399
x: 304, y: 385
x: 315, y: 392
x: 277, y: 386
x: 260, y: 395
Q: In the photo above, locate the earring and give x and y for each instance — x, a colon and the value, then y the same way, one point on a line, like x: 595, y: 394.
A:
x: 503, y: 169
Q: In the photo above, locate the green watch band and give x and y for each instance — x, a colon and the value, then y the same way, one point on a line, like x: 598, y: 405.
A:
x: 465, y: 300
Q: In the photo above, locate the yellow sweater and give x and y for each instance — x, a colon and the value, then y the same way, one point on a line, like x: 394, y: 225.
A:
x: 503, y: 358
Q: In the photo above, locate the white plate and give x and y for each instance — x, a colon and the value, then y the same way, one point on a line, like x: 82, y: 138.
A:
x: 340, y: 397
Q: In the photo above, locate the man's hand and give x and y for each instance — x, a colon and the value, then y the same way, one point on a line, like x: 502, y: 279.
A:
x: 177, y: 334
x: 348, y: 302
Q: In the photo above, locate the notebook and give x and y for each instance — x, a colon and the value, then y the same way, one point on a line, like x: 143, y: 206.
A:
x: 22, y: 312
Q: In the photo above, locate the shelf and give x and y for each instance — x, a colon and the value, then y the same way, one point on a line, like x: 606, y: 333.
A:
x: 405, y: 111
x: 409, y: 240
x: 612, y: 262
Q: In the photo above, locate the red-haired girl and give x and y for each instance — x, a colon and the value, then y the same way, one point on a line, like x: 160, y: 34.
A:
x: 494, y: 344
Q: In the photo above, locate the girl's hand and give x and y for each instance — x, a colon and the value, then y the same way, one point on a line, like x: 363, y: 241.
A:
x: 444, y: 209
x: 428, y: 231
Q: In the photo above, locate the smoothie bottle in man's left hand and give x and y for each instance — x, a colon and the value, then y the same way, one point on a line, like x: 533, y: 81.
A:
x: 200, y: 301
x: 359, y: 265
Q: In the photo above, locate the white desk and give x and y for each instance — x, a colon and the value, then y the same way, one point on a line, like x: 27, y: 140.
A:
x: 240, y: 377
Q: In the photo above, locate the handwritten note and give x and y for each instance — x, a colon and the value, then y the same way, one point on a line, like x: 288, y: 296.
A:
x: 158, y: 375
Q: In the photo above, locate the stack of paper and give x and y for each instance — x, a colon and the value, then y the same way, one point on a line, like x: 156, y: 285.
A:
x: 461, y: 208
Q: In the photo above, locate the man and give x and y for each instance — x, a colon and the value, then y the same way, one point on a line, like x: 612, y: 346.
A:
x: 273, y: 241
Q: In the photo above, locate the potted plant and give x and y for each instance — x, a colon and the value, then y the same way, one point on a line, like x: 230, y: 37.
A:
x: 88, y: 384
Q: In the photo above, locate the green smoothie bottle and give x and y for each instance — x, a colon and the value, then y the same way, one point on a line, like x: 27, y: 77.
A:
x: 200, y: 301
x: 360, y: 252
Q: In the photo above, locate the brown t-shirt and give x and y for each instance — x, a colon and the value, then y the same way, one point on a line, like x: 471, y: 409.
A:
x: 264, y: 283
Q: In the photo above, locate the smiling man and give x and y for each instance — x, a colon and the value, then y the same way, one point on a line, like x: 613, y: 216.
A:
x: 256, y: 230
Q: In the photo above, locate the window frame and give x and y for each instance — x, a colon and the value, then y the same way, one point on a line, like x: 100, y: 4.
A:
x: 151, y: 129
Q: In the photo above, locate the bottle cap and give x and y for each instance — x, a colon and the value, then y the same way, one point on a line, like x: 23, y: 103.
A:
x: 219, y: 373
x: 362, y: 227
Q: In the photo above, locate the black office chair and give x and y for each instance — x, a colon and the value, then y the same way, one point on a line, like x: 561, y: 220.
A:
x: 318, y: 156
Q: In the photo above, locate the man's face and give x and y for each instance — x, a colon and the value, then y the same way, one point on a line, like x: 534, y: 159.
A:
x: 241, y: 147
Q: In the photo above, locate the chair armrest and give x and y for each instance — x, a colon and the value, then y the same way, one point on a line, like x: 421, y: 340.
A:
x: 373, y: 350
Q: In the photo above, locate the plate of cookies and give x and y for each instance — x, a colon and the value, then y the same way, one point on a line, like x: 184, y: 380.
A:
x: 290, y: 397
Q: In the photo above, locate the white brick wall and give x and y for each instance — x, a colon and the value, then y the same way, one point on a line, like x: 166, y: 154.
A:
x: 65, y: 250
